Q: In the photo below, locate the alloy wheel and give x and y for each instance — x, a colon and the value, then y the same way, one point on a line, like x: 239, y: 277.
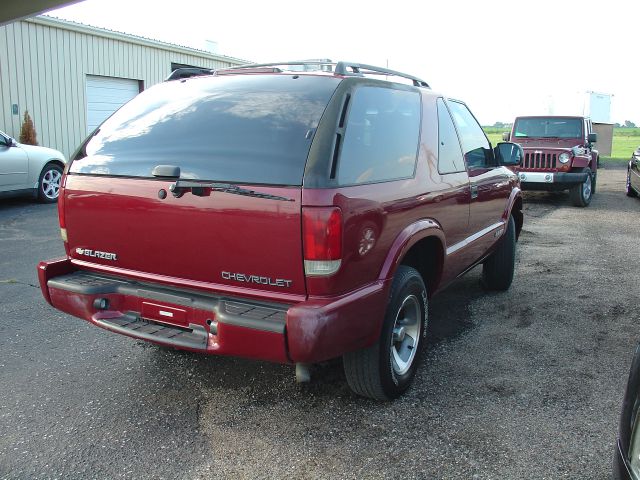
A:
x: 51, y: 183
x: 406, y: 335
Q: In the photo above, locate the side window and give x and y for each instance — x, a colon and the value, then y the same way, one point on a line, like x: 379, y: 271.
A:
x: 381, y: 136
x: 475, y: 146
x: 449, y: 154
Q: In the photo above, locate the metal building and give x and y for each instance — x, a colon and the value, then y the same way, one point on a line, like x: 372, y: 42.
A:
x: 70, y: 77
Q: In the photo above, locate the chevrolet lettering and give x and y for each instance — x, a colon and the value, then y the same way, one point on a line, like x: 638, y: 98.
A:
x: 242, y: 277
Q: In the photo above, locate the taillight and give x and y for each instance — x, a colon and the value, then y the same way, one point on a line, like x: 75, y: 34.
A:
x: 322, y: 235
x: 61, y: 217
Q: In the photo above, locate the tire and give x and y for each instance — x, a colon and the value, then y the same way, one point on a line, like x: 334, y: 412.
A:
x: 498, y: 269
x: 386, y: 369
x: 630, y: 191
x: 581, y: 194
x: 594, y: 180
x: 49, y: 183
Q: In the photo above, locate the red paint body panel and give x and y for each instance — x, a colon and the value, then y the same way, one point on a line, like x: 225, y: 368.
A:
x: 321, y: 328
x: 51, y: 269
x: 191, y: 238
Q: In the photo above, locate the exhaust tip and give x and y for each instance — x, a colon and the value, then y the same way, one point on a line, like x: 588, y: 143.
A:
x: 303, y: 373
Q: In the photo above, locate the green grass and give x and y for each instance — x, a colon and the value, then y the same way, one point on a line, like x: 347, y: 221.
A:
x: 625, y: 141
x: 494, y: 138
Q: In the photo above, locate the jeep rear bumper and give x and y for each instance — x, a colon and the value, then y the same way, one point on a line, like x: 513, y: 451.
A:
x: 550, y: 180
x: 311, y: 331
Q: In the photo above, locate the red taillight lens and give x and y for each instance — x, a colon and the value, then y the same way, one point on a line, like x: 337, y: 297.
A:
x: 322, y: 233
x: 61, y: 219
x: 61, y: 207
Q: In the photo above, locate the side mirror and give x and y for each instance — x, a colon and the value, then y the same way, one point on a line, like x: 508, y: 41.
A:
x: 7, y: 141
x: 592, y: 137
x: 506, y: 136
x: 509, y: 154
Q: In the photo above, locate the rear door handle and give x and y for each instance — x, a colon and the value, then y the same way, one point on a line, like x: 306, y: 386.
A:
x: 474, y: 191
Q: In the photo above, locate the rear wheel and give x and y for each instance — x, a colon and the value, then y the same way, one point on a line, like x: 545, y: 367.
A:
x: 498, y: 269
x: 630, y: 191
x: 49, y: 183
x: 581, y: 194
x: 386, y: 369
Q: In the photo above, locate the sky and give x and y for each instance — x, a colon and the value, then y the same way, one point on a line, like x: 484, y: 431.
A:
x: 503, y: 58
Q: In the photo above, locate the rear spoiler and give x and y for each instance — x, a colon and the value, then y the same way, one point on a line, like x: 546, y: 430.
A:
x: 186, y: 72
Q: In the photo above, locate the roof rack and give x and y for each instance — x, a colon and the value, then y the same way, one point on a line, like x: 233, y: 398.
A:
x: 337, y: 68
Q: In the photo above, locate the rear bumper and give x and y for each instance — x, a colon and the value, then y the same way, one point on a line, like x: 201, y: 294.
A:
x: 311, y: 331
x: 550, y: 180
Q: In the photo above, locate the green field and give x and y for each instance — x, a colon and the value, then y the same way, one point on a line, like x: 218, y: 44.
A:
x: 625, y: 141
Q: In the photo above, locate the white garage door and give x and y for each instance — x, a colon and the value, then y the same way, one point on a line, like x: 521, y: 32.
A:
x: 105, y: 95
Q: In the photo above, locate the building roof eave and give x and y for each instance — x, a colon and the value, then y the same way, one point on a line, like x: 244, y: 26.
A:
x: 126, y: 37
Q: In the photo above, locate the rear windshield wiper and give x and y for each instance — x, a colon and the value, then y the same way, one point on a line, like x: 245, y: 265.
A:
x: 203, y: 189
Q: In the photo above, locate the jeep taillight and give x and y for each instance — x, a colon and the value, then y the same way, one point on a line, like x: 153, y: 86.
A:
x: 322, y: 236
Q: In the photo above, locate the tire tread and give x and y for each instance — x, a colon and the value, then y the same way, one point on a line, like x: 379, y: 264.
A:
x: 362, y: 367
x: 498, y: 269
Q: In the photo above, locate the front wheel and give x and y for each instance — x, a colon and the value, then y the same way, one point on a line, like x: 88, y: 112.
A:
x: 49, y: 183
x: 498, y: 269
x: 581, y: 194
x: 386, y: 369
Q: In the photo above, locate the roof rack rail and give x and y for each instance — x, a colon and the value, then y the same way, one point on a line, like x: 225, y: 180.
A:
x: 338, y: 68
x: 186, y: 72
x: 247, y: 69
x: 342, y: 68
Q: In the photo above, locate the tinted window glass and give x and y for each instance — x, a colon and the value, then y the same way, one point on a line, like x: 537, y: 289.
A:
x: 381, y: 136
x: 246, y: 128
x: 541, y: 127
x: 476, y: 147
x: 449, y: 154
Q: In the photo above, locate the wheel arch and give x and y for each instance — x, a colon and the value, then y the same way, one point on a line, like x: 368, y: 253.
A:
x: 421, y: 246
x: 514, y: 208
x: 55, y: 161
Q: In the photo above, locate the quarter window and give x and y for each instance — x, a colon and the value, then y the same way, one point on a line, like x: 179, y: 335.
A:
x: 381, y: 136
x: 476, y: 147
x: 449, y: 154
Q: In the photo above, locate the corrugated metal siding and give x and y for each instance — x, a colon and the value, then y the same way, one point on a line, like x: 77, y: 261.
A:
x: 44, y: 65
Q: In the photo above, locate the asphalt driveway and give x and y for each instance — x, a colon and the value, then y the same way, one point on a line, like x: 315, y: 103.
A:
x: 523, y: 384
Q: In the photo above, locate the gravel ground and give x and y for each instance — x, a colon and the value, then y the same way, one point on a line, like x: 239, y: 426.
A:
x: 523, y: 384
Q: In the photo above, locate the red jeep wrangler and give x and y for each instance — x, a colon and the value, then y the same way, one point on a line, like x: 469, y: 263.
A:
x: 287, y: 216
x: 558, y: 155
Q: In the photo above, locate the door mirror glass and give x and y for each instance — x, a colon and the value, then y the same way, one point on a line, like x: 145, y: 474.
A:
x: 592, y: 137
x: 508, y: 153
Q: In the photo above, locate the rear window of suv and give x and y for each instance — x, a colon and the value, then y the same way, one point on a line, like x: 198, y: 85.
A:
x: 244, y: 129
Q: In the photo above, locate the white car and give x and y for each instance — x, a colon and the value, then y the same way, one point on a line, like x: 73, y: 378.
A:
x: 31, y: 170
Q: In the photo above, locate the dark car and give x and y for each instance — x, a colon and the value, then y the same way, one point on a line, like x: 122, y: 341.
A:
x: 559, y: 154
x: 627, y: 456
x: 633, y: 174
x: 288, y: 216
